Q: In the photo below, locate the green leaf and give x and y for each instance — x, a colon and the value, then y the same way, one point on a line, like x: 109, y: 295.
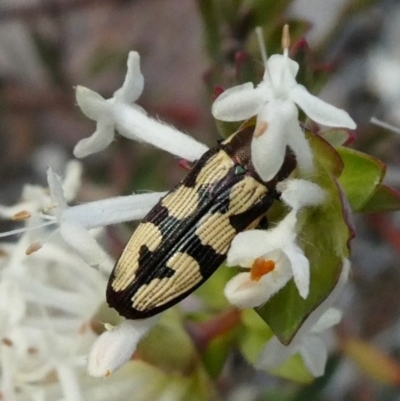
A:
x: 324, y: 237
x: 214, y: 357
x: 295, y: 370
x: 384, y: 199
x: 337, y: 136
x: 361, y: 176
x: 159, y: 347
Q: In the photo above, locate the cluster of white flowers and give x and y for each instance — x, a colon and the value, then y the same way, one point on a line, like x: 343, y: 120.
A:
x: 47, y: 302
x: 273, y: 257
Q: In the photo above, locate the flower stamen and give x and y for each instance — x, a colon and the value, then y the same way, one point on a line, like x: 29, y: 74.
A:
x: 22, y: 215
x: 260, y: 268
x: 285, y: 40
x: 33, y: 248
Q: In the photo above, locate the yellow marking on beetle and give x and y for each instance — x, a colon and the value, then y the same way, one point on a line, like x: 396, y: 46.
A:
x: 215, y: 230
x: 245, y: 194
x: 146, y: 234
x: 215, y: 169
x: 160, y: 291
x: 181, y: 203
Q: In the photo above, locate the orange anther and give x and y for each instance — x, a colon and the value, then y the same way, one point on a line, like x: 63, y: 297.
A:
x: 24, y: 214
x: 260, y: 268
x: 260, y: 129
x: 33, y: 248
x: 285, y: 37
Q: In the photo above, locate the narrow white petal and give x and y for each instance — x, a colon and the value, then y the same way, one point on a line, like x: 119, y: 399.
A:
x: 93, y: 105
x: 298, y: 193
x: 112, y: 211
x: 135, y: 124
x: 320, y: 111
x: 242, y: 292
x: 134, y: 81
x: 274, y: 354
x: 330, y: 318
x: 246, y: 247
x: 301, y: 148
x: 98, y: 141
x: 82, y: 243
x: 284, y: 232
x: 315, y: 315
x: 280, y: 67
x: 69, y: 382
x: 56, y: 191
x: 238, y: 103
x: 301, y: 269
x: 268, y: 150
x: 314, y: 354
x: 115, y: 347
x: 72, y: 179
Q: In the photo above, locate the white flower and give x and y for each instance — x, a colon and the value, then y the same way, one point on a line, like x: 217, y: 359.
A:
x: 308, y: 341
x: 73, y: 223
x: 47, y: 301
x: 130, y: 120
x: 115, y: 346
x: 275, y: 101
x: 273, y: 258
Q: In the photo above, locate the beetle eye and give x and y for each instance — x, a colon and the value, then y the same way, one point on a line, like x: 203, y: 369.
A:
x: 239, y: 170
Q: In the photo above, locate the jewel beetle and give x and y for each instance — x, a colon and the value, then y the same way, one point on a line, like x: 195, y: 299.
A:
x: 187, y: 234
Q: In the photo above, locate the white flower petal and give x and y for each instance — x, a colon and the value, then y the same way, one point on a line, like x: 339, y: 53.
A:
x: 298, y: 193
x: 93, y: 105
x: 274, y: 354
x: 330, y: 318
x: 135, y: 124
x: 72, y: 179
x: 238, y: 103
x: 243, y: 292
x: 320, y: 111
x: 301, y: 269
x: 56, y: 191
x: 268, y: 150
x: 134, y: 81
x: 246, y: 247
x: 300, y: 147
x: 283, y: 233
x: 314, y: 354
x: 316, y: 314
x: 115, y: 347
x: 281, y: 68
x: 82, y: 243
x: 112, y: 211
x: 98, y: 141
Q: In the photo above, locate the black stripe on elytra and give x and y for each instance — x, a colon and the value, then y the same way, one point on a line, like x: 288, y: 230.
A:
x: 242, y: 220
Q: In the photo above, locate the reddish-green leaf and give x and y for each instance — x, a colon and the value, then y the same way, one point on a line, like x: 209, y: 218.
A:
x: 324, y: 237
x: 384, y: 199
x: 361, y: 176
